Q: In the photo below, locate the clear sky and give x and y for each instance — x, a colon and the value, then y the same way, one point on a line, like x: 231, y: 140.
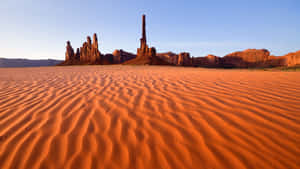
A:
x: 39, y: 29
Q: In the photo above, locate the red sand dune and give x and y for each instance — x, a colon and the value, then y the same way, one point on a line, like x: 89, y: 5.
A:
x: 148, y: 117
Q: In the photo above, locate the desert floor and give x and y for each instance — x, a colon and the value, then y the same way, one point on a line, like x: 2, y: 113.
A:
x: 148, y: 117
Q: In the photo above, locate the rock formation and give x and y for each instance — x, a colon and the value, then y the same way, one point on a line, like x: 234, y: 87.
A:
x: 181, y: 59
x: 69, y: 52
x: 247, y: 58
x: 146, y: 55
x: 292, y: 59
x: 89, y: 52
x: 144, y: 51
x: 120, y: 56
x: 210, y: 61
x: 184, y: 59
x: 251, y: 58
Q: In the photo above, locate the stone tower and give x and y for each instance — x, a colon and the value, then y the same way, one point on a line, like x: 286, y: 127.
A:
x: 144, y: 51
x: 143, y: 39
x: 69, y: 52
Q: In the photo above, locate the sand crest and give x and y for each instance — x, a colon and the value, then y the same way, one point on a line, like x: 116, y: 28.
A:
x: 148, y: 117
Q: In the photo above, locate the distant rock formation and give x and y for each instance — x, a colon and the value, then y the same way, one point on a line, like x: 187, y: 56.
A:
x: 247, y: 59
x: 292, y: 59
x: 89, y: 52
x: 4, y: 62
x: 146, y: 55
x: 120, y: 56
x: 251, y: 58
x: 69, y: 52
x: 210, y: 61
x: 184, y: 59
x: 181, y: 59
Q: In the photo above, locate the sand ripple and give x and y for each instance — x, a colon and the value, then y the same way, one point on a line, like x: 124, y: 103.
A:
x: 136, y: 117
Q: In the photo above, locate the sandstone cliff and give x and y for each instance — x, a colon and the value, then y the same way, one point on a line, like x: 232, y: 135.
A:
x: 292, y: 59
x: 247, y: 59
x: 210, y: 61
x: 181, y: 59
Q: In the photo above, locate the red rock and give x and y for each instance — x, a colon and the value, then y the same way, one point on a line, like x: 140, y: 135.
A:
x: 69, y: 52
x: 292, y: 59
x: 144, y: 52
x: 120, y: 56
x: 169, y: 57
x: 207, y: 61
x: 89, y: 53
x: 184, y: 59
x: 181, y: 59
x: 247, y: 58
x: 146, y: 55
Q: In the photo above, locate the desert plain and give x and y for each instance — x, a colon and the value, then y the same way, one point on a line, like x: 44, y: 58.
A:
x: 148, y: 117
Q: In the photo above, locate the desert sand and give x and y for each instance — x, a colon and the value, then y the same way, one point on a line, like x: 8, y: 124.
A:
x: 148, y: 117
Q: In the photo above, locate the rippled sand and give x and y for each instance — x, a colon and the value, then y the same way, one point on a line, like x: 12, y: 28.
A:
x: 142, y: 117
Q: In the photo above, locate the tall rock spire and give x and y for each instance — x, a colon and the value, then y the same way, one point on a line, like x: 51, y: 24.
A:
x: 145, y: 54
x: 69, y: 51
x: 144, y: 39
x: 95, y: 41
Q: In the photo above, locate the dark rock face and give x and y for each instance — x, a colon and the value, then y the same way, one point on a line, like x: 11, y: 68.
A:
x: 181, y: 59
x: 69, y: 52
x: 120, y: 56
x: 184, y: 59
x: 77, y: 55
x: 169, y: 57
x: 209, y: 61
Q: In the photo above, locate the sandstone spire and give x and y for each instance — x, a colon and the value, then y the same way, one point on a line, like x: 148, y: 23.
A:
x: 146, y: 55
x: 143, y: 39
x: 69, y: 52
x: 89, y: 53
x: 95, y: 41
x: 89, y: 41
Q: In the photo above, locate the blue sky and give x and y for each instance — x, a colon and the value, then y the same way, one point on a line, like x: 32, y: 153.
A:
x: 39, y: 29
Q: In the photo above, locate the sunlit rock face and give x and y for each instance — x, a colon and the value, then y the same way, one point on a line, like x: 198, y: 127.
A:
x: 181, y: 59
x: 89, y: 52
x: 247, y: 58
x: 292, y: 59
